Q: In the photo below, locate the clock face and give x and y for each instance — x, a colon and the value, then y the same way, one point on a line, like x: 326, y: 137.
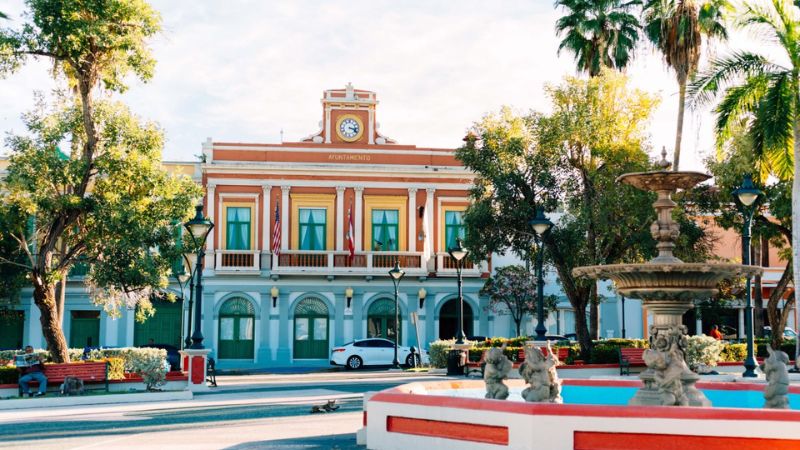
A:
x: 349, y: 128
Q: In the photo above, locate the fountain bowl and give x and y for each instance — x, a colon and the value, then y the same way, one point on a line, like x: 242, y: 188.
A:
x: 441, y: 414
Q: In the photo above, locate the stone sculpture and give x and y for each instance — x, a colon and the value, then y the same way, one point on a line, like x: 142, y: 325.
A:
x: 774, y: 368
x: 540, y: 373
x: 496, y: 370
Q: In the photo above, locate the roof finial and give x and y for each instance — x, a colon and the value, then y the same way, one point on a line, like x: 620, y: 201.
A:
x: 349, y: 90
x: 664, y: 164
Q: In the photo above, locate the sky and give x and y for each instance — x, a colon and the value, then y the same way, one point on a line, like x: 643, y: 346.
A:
x: 242, y: 71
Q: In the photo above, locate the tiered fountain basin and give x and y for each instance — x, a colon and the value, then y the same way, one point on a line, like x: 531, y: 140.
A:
x: 594, y: 416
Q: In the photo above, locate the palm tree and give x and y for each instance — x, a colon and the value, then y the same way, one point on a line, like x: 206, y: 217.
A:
x: 764, y: 93
x: 676, y: 28
x: 599, y: 33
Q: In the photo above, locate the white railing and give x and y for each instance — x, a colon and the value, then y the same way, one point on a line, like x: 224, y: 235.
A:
x: 237, y: 260
x: 333, y: 262
x: 446, y: 266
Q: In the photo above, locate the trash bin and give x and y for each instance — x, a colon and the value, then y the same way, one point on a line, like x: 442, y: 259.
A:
x: 455, y: 363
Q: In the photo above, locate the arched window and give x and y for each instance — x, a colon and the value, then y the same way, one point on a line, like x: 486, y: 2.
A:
x: 236, y: 329
x: 311, y: 329
x: 380, y: 320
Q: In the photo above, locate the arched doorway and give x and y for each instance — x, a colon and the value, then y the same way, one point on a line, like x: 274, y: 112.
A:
x: 448, y: 319
x: 380, y: 321
x: 311, y: 329
x: 237, y: 320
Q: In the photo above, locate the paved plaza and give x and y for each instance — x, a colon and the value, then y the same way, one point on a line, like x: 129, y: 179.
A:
x: 244, y: 412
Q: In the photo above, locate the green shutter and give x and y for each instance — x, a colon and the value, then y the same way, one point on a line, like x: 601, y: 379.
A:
x: 238, y: 229
x: 313, y: 235
x: 385, y: 229
x: 454, y: 228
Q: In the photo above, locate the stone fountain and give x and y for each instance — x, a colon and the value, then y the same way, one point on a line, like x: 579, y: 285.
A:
x: 668, y: 287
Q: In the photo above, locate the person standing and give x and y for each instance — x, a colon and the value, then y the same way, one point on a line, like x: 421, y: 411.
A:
x: 715, y: 333
x: 32, y: 372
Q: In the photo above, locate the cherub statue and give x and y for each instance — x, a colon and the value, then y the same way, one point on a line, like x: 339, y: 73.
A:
x: 496, y: 370
x: 540, y: 373
x: 777, y: 379
x: 665, y: 357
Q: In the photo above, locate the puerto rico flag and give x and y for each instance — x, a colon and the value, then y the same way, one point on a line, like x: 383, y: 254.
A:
x: 351, y: 245
x: 276, y: 234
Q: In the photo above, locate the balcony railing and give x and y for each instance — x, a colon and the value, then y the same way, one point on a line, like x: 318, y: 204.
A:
x: 333, y: 262
x: 237, y: 261
x: 446, y: 265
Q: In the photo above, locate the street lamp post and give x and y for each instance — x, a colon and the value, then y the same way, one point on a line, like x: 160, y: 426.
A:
x: 458, y: 253
x: 190, y: 259
x: 199, y: 228
x: 623, y: 317
x: 541, y: 225
x: 747, y: 194
x: 397, y: 274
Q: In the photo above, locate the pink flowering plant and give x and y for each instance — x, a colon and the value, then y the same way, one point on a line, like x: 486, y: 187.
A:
x: 512, y: 291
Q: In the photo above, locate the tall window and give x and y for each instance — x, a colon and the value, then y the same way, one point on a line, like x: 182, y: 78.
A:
x: 453, y: 228
x: 384, y: 229
x: 238, y: 229
x: 312, y: 229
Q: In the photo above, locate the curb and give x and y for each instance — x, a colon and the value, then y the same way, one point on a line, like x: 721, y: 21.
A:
x: 54, y: 402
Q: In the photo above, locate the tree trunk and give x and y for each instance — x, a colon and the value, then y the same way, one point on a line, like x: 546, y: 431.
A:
x: 582, y: 330
x: 679, y: 131
x: 44, y: 296
x: 772, y: 308
x: 518, y: 323
x: 594, y: 313
x: 796, y: 215
x: 761, y: 256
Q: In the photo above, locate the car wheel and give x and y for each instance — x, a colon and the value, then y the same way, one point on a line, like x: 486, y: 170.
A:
x: 410, y: 360
x: 354, y: 362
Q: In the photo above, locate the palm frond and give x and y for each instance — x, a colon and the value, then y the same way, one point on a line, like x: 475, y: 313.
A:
x: 775, y: 118
x: 707, y: 84
x: 739, y: 102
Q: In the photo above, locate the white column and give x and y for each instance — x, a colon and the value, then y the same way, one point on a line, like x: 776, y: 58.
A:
x: 339, y: 218
x: 213, y: 242
x: 266, y: 240
x: 698, y: 326
x: 412, y: 219
x: 359, y: 214
x: 328, y: 130
x: 741, y: 323
x: 285, y: 217
x: 430, y: 252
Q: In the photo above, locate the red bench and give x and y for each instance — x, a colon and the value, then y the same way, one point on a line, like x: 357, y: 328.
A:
x: 88, y: 372
x: 630, y: 357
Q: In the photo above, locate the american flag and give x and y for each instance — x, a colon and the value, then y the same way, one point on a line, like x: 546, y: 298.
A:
x: 351, y: 245
x: 276, y: 234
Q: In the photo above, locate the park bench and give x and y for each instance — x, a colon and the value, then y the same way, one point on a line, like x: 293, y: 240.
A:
x: 630, y: 357
x: 88, y: 372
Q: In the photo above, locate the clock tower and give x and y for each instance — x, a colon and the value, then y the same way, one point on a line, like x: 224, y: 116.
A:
x: 348, y: 118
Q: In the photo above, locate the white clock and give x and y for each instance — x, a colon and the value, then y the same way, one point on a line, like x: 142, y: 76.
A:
x: 349, y: 128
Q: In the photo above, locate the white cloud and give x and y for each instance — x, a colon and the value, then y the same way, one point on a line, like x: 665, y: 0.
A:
x: 246, y: 70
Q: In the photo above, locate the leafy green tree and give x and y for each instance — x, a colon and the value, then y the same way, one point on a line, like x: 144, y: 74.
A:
x: 771, y: 221
x: 763, y: 95
x: 108, y: 202
x: 676, y: 28
x: 567, y: 160
x: 599, y: 33
x: 512, y: 291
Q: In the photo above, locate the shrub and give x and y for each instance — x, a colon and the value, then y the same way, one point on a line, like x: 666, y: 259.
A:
x: 733, y: 352
x: 9, y: 375
x: 116, y: 368
x: 788, y: 347
x: 149, y: 363
x: 626, y: 343
x: 702, y: 350
x: 437, y: 352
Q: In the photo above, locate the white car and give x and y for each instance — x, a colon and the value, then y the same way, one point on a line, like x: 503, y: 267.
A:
x: 373, y: 352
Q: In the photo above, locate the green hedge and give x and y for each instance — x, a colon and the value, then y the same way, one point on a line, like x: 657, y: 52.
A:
x: 733, y: 352
x: 788, y: 347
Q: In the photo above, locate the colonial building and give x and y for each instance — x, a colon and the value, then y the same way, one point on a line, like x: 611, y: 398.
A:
x: 305, y: 234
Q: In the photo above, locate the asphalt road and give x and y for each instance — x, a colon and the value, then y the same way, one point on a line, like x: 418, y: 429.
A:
x: 245, y: 413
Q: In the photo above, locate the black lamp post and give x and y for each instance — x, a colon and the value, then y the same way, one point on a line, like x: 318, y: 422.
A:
x: 188, y: 258
x: 541, y: 225
x: 397, y: 274
x: 199, y: 228
x: 747, y: 194
x: 458, y: 253
x: 623, y: 317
